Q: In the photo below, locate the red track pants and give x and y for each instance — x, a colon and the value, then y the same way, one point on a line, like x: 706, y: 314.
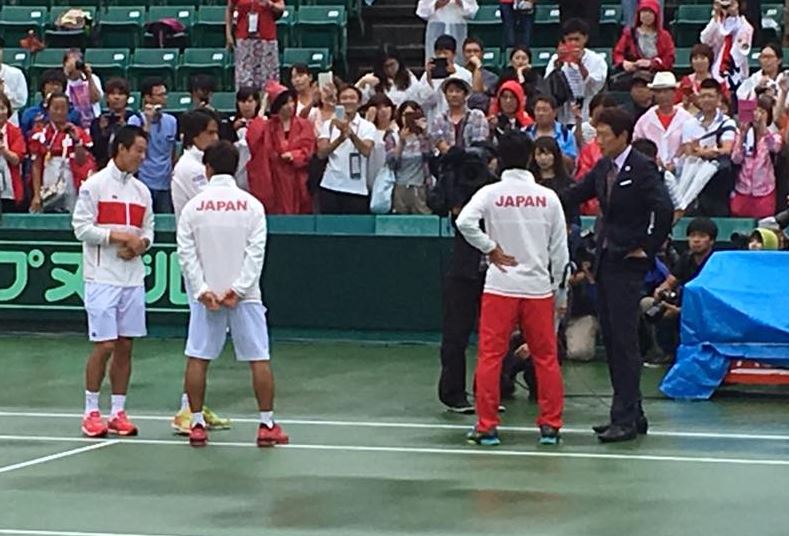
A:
x: 500, y: 316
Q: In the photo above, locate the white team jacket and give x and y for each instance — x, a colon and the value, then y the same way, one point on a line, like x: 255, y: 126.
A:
x: 527, y: 221
x: 112, y: 200
x: 222, y: 240
x: 188, y: 179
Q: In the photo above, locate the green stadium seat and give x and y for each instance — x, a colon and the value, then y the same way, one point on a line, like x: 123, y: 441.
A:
x: 607, y: 53
x: 690, y: 21
x: 322, y: 27
x: 17, y: 20
x: 353, y: 7
x: 540, y: 57
x: 546, y: 26
x: 224, y: 101
x: 682, y: 62
x: 772, y: 22
x: 17, y: 57
x: 285, y: 27
x: 67, y: 38
x: 184, y: 14
x: 108, y: 62
x: 153, y: 62
x: 122, y: 26
x: 213, y: 61
x: 492, y: 60
x: 318, y: 59
x: 753, y: 59
x: 178, y: 102
x: 209, y: 28
x: 50, y: 58
x: 486, y: 25
x: 610, y: 25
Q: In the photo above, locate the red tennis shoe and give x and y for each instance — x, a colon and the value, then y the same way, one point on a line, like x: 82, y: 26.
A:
x: 93, y: 425
x: 198, y: 437
x: 268, y: 437
x: 122, y: 426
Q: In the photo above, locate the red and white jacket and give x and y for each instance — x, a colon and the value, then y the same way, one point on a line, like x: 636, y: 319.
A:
x: 112, y: 200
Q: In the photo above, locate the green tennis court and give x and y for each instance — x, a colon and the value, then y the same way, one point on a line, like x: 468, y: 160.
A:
x: 372, y: 453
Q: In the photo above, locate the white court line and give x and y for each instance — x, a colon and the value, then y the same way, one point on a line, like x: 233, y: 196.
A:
x: 58, y: 456
x: 490, y: 452
x: 25, y: 532
x: 417, y: 426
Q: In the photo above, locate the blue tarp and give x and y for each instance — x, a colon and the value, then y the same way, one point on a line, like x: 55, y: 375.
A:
x: 735, y: 309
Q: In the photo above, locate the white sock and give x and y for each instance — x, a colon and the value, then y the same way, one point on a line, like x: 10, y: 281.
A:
x: 197, y: 418
x: 118, y: 404
x: 267, y: 418
x: 184, y: 402
x: 91, y: 402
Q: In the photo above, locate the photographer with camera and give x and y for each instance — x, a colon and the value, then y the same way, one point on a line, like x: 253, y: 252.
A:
x: 408, y: 154
x: 663, y: 309
x: 82, y: 87
x: 156, y: 170
x: 104, y: 128
x: 430, y: 91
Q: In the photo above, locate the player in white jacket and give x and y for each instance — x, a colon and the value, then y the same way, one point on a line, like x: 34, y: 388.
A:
x: 221, y: 246
x: 113, y: 218
x: 525, y: 239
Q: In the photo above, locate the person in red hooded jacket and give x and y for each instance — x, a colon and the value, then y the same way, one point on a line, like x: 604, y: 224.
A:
x: 508, y: 110
x: 646, y: 45
x: 281, y: 149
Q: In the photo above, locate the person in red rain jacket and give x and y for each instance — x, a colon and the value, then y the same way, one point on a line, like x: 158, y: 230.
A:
x: 281, y: 149
x: 647, y: 45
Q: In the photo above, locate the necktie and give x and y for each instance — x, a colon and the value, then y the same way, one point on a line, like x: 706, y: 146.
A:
x: 611, y: 180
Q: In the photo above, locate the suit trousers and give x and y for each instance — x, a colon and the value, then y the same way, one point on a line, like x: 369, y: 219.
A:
x: 619, y: 290
x: 460, y: 312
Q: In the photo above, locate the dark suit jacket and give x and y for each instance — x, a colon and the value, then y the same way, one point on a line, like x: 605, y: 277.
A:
x: 639, y: 211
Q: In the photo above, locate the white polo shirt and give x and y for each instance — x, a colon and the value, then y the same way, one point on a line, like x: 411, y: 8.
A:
x: 338, y: 172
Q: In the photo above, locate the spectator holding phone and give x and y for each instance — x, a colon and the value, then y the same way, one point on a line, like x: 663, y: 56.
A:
x: 508, y: 111
x: 381, y: 112
x: 586, y: 71
x: 104, y: 127
x: 408, y: 152
x: 82, y: 87
x: 730, y: 36
x: 445, y: 17
x: 437, y: 69
x: 156, y: 170
x: 303, y: 84
x: 766, y: 80
x: 757, y: 144
x: 12, y: 151
x: 346, y: 142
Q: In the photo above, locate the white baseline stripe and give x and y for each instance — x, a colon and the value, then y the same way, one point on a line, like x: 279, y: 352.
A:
x: 58, y: 456
x: 416, y: 426
x: 25, y: 532
x: 490, y: 452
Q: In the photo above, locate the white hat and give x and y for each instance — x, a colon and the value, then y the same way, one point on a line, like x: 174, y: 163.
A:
x: 664, y: 80
x: 456, y: 80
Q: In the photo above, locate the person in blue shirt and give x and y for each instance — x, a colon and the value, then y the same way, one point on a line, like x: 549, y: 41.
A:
x: 162, y: 129
x: 52, y: 81
x: 545, y: 124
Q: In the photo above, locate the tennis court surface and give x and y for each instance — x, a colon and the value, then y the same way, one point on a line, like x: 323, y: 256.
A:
x: 372, y: 453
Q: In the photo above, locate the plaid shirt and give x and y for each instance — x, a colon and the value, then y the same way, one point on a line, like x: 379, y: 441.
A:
x: 476, y: 128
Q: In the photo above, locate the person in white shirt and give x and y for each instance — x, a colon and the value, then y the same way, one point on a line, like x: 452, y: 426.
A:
x: 390, y: 76
x: 113, y: 219
x: 585, y: 69
x: 14, y: 84
x: 767, y: 79
x: 445, y: 17
x: 429, y: 91
x: 200, y: 129
x: 83, y: 87
x: 347, y: 143
x: 222, y: 246
x: 730, y: 36
x: 525, y: 239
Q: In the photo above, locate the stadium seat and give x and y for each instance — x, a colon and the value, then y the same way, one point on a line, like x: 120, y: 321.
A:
x: 122, y: 26
x: 610, y: 25
x: 153, y: 62
x: 209, y: 28
x: 772, y: 22
x: 178, y: 102
x: 682, y: 62
x: 17, y: 20
x: 690, y: 21
x: 108, y: 62
x: 546, y: 26
x: 211, y: 61
x: 486, y: 26
x: 186, y: 15
x: 318, y: 59
x: 353, y: 7
x: 50, y: 58
x: 323, y: 27
x: 17, y: 57
x: 540, y: 58
x: 607, y: 53
x: 285, y: 27
x: 492, y: 60
x: 56, y: 38
x: 224, y: 102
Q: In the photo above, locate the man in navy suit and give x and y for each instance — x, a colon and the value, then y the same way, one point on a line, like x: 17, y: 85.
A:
x: 635, y: 221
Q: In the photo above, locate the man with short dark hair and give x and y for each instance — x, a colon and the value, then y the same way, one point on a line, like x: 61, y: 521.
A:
x: 113, y: 219
x: 641, y: 98
x: 222, y: 246
x: 458, y: 126
x: 104, y: 128
x: 202, y: 88
x: 483, y: 81
x: 162, y: 128
x: 636, y: 214
x: 546, y: 125
x: 430, y: 88
x: 525, y: 239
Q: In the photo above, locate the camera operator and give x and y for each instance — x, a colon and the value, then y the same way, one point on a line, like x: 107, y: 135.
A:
x: 664, y: 307
x: 103, y: 128
x: 82, y: 87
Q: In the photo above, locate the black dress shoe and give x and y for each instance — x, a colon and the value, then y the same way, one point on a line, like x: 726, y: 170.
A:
x: 642, y: 426
x: 617, y: 434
